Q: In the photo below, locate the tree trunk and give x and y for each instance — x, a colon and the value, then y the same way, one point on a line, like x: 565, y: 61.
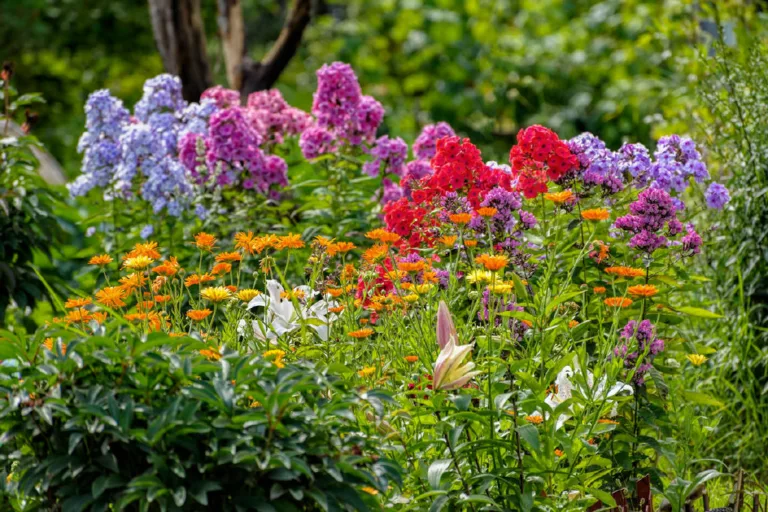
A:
x: 178, y: 29
x: 258, y: 76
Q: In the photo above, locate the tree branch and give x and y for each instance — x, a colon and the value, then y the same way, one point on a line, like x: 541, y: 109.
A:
x: 262, y: 75
x: 178, y: 29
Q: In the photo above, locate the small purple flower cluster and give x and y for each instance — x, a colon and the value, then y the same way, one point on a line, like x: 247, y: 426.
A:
x: 653, y: 210
x: 343, y: 115
x: 425, y: 146
x: 644, y: 334
x: 599, y: 165
x: 389, y: 154
x: 274, y: 118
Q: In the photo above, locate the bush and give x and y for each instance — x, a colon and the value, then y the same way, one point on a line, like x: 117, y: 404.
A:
x: 154, y: 425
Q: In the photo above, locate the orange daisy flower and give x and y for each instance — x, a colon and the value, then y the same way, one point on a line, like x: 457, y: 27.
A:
x: 536, y: 419
x: 78, y: 315
x: 148, y: 249
x: 133, y: 281
x: 407, y: 266
x: 487, y: 211
x: 337, y: 309
x: 642, y: 290
x: 618, y: 302
x: 383, y: 236
x: 161, y: 299
x: 470, y: 243
x: 340, y: 248
x: 460, y: 218
x: 559, y: 197
x: 205, y: 241
x: 411, y: 359
x: 625, y: 271
x: 100, y: 317
x: 292, y: 241
x: 101, y: 260
x: 448, y: 240
x: 211, y: 355
x: 492, y: 262
x: 77, y: 302
x: 229, y: 257
x: 599, y: 289
x: 595, y: 214
x: 198, y: 314
x: 111, y: 296
x: 334, y: 292
x: 573, y: 323
x: 244, y: 241
x: 196, y: 279
x: 221, y: 268
x: 361, y: 333
x: 168, y: 267
x: 375, y: 253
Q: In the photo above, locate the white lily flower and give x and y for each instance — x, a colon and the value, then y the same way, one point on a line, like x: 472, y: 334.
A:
x: 449, y: 372
x: 281, y: 317
x: 595, y: 393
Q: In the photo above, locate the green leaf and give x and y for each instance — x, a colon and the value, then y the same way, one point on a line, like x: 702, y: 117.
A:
x: 702, y: 399
x: 530, y: 434
x: 435, y: 472
x: 103, y: 483
x: 698, y: 312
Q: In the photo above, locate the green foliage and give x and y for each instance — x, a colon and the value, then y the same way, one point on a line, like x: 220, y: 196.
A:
x: 152, y: 425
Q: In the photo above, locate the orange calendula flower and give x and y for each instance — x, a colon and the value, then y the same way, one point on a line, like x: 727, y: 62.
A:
x: 215, y: 293
x: 470, y: 243
x: 100, y: 317
x: 411, y: 359
x: 221, y: 268
x: 536, y: 419
x: 292, y: 241
x: 101, y: 260
x: 133, y: 281
x: 211, y: 355
x: 137, y: 262
x: 196, y: 279
x: 337, y: 309
x: 148, y: 249
x: 573, y: 323
x: 340, y: 248
x: 595, y: 214
x: 77, y: 302
x: 618, y: 302
x: 625, y: 271
x: 602, y: 254
x: 383, y: 236
x: 168, y: 267
x: 361, y: 333
x: 559, y: 197
x: 460, y: 218
x: 493, y: 262
x: 430, y: 277
x: 323, y: 241
x: 348, y: 273
x: 447, y: 240
x: 248, y: 294
x: 642, y: 290
x: 375, y: 253
x: 487, y: 211
x: 407, y: 266
x: 558, y: 452
x: 161, y: 299
x: 229, y: 257
x: 204, y: 241
x: 244, y: 242
x: 78, y: 315
x: 599, y: 290
x: 198, y: 314
x: 334, y: 292
x: 111, y: 296
x: 367, y: 372
x: 135, y: 317
x: 145, y: 305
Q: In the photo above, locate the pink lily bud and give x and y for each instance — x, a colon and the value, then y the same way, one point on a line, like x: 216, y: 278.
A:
x: 450, y: 372
x: 445, y: 328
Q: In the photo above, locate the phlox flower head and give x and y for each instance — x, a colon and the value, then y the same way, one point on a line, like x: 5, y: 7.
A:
x: 717, y: 196
x: 425, y: 146
x: 389, y: 155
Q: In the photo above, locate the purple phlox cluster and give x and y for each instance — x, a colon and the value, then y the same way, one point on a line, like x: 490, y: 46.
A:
x: 340, y: 107
x: 195, y: 117
x: 162, y: 95
x: 653, y: 210
x: 388, y: 154
x: 316, y: 141
x: 507, y: 204
x: 676, y: 159
x: 644, y: 334
x: 222, y: 97
x: 391, y: 191
x: 527, y: 219
x: 691, y: 242
x: 425, y: 146
x: 599, y: 165
x: 105, y: 117
x: 717, y: 196
x: 635, y: 160
x: 274, y: 118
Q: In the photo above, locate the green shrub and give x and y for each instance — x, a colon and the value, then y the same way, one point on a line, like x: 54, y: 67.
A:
x: 153, y: 425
